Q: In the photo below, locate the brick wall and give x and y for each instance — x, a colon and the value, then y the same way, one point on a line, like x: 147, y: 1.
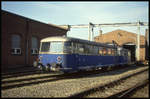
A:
x: 122, y: 37
x: 25, y: 28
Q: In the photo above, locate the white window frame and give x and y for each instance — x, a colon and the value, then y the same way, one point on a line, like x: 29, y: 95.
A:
x: 15, y: 51
x: 34, y: 50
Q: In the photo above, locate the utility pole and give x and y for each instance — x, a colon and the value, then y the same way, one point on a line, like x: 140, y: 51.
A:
x: 89, y: 31
x: 138, y: 41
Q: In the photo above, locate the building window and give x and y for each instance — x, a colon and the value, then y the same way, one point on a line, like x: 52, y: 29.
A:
x: 15, y: 44
x: 34, y: 48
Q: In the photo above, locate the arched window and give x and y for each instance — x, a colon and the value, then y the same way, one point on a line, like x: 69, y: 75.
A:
x: 34, y: 45
x: 16, y: 44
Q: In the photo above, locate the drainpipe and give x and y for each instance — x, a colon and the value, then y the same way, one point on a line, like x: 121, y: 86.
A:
x: 27, y: 43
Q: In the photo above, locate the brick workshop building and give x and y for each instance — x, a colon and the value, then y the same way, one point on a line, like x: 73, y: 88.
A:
x: 21, y: 39
x: 125, y: 39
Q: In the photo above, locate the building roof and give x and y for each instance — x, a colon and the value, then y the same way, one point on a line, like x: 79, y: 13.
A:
x: 52, y: 25
x: 121, y: 32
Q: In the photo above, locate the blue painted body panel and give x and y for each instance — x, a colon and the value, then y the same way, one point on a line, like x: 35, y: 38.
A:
x: 75, y: 61
x: 68, y: 60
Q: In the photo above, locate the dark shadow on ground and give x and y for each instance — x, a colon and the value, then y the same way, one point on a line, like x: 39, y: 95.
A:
x: 50, y: 78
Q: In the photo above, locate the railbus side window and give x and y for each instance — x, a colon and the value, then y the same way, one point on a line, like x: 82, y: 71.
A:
x: 121, y: 52
x: 116, y: 52
x: 95, y: 50
x: 100, y: 51
x: 109, y: 51
x: 74, y: 47
x: 125, y: 53
x: 81, y: 48
x: 87, y: 49
x: 113, y: 52
x: 90, y: 49
x: 104, y: 51
x: 68, y: 47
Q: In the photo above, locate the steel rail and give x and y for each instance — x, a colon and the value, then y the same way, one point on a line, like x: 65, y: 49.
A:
x: 101, y: 87
x: 126, y: 92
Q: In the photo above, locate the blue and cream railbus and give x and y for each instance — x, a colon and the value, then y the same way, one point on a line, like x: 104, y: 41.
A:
x: 71, y: 54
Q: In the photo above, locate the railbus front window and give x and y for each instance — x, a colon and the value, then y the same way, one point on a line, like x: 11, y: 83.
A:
x: 52, y: 47
x: 56, y: 47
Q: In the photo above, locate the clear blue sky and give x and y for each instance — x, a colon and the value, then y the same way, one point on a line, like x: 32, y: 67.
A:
x: 73, y: 13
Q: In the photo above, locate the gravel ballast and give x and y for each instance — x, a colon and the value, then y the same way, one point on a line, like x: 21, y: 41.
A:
x: 67, y: 87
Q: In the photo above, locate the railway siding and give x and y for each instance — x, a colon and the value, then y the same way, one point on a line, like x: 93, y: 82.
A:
x: 121, y: 86
x: 141, y: 92
x: 68, y: 87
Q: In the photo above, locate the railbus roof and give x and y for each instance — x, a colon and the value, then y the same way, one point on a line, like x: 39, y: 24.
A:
x: 60, y: 38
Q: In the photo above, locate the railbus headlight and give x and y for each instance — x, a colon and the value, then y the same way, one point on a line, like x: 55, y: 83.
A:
x: 59, y: 59
x: 35, y: 63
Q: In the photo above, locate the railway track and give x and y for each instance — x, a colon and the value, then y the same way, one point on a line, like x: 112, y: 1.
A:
x: 35, y: 71
x: 37, y: 78
x: 129, y: 91
x: 111, y: 89
x: 21, y: 79
x: 20, y: 72
x: 54, y: 85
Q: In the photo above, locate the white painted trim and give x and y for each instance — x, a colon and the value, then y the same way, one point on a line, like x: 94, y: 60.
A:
x: 15, y: 51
